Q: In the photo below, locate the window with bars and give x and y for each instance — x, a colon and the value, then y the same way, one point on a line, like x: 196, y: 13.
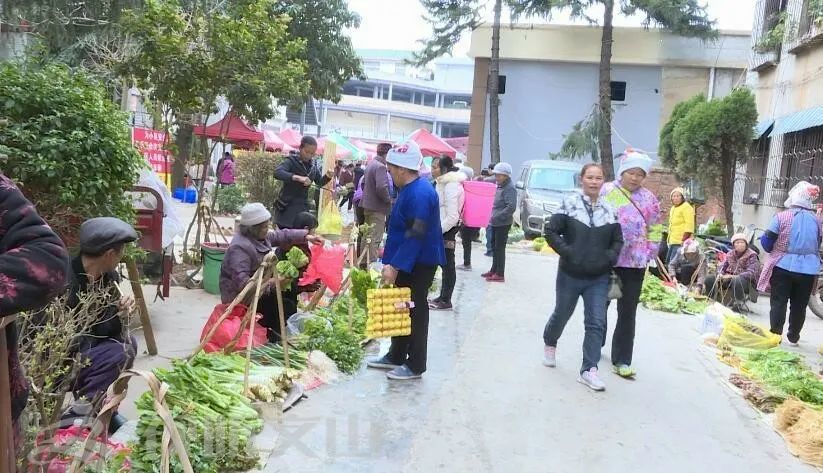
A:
x: 757, y: 170
x: 802, y: 160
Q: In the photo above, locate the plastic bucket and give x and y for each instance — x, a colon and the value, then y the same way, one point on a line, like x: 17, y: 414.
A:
x: 213, y: 254
x: 190, y: 196
x: 477, y: 209
x: 179, y: 193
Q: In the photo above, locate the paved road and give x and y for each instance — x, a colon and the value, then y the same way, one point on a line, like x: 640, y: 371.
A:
x: 488, y: 405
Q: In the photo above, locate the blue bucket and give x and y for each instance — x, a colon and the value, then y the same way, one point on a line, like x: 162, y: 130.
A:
x: 178, y: 193
x: 190, y: 196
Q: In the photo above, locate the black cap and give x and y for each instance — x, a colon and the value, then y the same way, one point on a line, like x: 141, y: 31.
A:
x: 100, y: 234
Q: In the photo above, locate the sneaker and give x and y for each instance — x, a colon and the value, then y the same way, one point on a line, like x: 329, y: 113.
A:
x: 402, y: 373
x: 549, y: 356
x: 440, y: 305
x: 496, y: 278
x: 486, y: 274
x: 624, y: 371
x: 592, y: 380
x: 436, y: 300
x: 489, y: 254
x: 383, y: 363
x: 465, y: 267
x: 793, y: 339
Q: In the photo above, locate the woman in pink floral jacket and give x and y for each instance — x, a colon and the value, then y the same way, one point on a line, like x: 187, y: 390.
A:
x: 638, y: 212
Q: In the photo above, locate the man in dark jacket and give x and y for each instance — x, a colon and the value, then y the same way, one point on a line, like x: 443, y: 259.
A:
x: 505, y: 202
x: 33, y: 264
x: 377, y: 199
x: 298, y: 172
x: 108, y: 349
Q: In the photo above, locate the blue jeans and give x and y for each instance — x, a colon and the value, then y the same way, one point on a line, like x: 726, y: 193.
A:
x: 673, y: 249
x: 489, y: 240
x: 595, y: 296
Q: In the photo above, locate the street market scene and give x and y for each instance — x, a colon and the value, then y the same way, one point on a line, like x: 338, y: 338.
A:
x: 411, y: 235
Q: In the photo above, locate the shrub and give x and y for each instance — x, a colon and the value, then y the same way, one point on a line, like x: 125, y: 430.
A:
x: 255, y: 174
x: 66, y: 145
x: 230, y: 199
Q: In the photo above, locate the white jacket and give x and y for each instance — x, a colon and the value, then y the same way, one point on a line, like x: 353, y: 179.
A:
x: 450, y: 193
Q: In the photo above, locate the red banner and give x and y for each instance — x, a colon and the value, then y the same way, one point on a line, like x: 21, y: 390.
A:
x: 150, y: 143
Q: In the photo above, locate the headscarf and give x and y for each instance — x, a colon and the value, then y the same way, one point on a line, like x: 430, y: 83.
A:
x: 680, y: 191
x: 803, y: 195
x: 691, y: 246
x: 632, y: 159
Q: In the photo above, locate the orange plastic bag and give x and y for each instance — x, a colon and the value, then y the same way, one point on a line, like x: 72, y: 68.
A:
x: 326, y: 265
x: 228, y: 329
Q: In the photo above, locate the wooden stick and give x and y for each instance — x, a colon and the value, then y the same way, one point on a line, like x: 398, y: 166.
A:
x: 283, y: 335
x: 250, y: 317
x: 352, y: 251
x: 139, y: 298
x: 8, y: 457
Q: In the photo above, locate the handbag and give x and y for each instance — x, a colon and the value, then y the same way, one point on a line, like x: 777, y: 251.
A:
x: 615, y: 287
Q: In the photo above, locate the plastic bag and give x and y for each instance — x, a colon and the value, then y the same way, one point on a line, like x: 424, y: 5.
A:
x: 330, y: 221
x: 297, y: 322
x: 326, y: 265
x: 228, y: 329
x: 742, y: 333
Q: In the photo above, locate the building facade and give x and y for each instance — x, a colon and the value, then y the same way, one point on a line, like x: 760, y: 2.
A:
x: 551, y: 76
x: 396, y: 98
x: 786, y: 61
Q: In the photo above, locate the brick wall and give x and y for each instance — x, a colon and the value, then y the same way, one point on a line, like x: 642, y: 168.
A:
x: 661, y: 181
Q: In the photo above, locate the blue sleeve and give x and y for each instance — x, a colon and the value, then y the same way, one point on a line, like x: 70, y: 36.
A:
x: 417, y: 223
x: 774, y: 225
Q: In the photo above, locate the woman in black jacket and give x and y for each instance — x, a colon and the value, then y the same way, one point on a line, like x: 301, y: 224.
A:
x: 586, y: 235
x: 298, y: 172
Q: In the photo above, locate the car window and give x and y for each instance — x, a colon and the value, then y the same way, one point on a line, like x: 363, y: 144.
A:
x: 553, y: 179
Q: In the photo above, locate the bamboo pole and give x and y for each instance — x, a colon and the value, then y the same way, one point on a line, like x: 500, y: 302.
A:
x: 283, y: 334
x: 140, y: 299
x: 352, y: 251
x: 251, y: 315
x: 8, y: 457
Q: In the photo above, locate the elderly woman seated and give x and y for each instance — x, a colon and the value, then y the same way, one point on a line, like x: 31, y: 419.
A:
x: 253, y: 241
x: 735, y: 279
x: 687, y: 266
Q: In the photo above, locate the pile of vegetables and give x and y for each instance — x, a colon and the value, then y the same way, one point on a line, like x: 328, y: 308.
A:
x: 329, y: 332
x: 361, y: 282
x: 657, y: 296
x: 290, y: 267
x: 539, y: 244
x: 388, y: 313
x: 782, y: 372
x: 266, y: 383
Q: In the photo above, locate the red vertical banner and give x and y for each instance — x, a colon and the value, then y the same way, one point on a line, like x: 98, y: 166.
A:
x: 150, y: 143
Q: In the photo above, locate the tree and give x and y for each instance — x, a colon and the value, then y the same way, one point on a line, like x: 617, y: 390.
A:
x: 682, y: 17
x: 666, y: 151
x: 450, y: 19
x: 709, y: 139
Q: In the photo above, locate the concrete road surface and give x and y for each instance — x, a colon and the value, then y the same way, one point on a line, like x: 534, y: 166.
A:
x: 487, y: 404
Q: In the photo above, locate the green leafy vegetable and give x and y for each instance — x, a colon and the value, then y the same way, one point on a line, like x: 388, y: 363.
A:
x: 297, y: 258
x: 287, y: 270
x: 361, y: 283
x: 784, y: 372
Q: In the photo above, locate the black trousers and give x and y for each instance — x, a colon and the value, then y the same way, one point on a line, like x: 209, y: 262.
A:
x: 789, y: 286
x: 412, y: 350
x: 623, y: 336
x: 467, y: 236
x: 501, y: 238
x: 449, y: 270
x: 347, y: 198
x: 360, y: 218
x: 267, y: 307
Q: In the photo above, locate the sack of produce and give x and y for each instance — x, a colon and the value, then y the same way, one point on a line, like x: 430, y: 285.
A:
x: 326, y: 265
x: 227, y: 330
x: 330, y: 222
x: 388, y: 312
x: 742, y: 333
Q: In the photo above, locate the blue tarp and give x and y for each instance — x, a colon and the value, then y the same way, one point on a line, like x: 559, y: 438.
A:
x: 809, y: 118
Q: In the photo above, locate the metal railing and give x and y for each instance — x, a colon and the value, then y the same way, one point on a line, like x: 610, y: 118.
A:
x: 767, y: 16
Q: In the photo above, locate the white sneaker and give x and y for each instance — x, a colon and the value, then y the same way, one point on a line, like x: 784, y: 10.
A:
x: 550, y: 356
x: 592, y: 380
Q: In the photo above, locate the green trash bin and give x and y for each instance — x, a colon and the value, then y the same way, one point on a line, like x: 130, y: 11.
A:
x: 213, y: 254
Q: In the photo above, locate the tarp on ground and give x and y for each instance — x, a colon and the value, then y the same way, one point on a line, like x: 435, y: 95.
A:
x: 431, y: 144
x: 231, y: 129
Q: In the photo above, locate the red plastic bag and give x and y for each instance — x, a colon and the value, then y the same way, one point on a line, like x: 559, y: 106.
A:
x: 228, y: 329
x: 326, y: 265
x: 55, y: 455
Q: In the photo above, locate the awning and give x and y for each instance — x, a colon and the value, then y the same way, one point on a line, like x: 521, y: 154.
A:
x: 762, y: 127
x: 809, y: 118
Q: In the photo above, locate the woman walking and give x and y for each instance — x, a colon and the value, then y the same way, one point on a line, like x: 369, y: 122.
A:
x: 449, y: 185
x: 638, y: 212
x: 586, y: 235
x: 681, y: 222
x: 505, y: 202
x: 793, y: 242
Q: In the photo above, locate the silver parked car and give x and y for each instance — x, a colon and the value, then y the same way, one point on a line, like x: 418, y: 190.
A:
x: 541, y: 186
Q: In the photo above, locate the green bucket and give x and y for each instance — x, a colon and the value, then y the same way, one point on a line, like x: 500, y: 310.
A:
x: 213, y: 254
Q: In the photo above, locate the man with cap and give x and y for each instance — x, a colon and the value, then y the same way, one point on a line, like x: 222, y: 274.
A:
x: 108, y: 349
x: 414, y: 250
x: 376, y: 201
x: 298, y: 172
x: 505, y: 203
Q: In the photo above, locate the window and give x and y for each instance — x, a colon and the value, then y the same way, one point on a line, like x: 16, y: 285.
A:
x: 454, y: 130
x: 618, y: 91
x: 358, y: 88
x: 756, y: 171
x: 552, y: 179
x: 802, y: 160
x: 457, y: 101
x: 402, y: 94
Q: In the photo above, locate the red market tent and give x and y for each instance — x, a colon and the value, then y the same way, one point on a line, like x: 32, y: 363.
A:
x: 461, y: 144
x: 291, y: 137
x: 231, y: 129
x: 431, y: 144
x: 275, y: 143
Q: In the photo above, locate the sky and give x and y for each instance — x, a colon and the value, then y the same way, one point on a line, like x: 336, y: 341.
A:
x: 399, y: 24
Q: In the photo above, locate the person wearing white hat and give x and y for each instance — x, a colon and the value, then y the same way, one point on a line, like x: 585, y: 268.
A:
x: 505, y: 203
x: 638, y: 212
x: 793, y: 242
x: 252, y: 242
x: 414, y: 249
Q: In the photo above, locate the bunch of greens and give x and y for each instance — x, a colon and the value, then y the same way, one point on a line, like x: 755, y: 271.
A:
x: 783, y: 372
x: 290, y: 267
x: 267, y: 383
x: 329, y: 332
x: 361, y: 282
x: 656, y: 296
x: 539, y: 244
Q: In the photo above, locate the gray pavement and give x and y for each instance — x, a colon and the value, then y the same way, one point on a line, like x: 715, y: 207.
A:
x: 487, y: 404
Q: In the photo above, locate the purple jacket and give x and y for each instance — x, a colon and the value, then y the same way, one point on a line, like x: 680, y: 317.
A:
x: 244, y: 256
x: 376, y: 195
x: 747, y: 266
x: 227, y: 172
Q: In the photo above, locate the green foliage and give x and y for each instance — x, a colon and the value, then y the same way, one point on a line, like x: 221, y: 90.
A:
x: 329, y: 332
x: 582, y: 141
x: 666, y: 150
x: 254, y: 171
x: 815, y: 9
x: 715, y: 228
x: 332, y: 60
x: 783, y: 372
x: 230, y: 199
x: 66, y: 144
x: 450, y: 20
x: 773, y: 38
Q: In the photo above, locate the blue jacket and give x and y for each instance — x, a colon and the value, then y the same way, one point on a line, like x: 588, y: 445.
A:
x: 414, y: 234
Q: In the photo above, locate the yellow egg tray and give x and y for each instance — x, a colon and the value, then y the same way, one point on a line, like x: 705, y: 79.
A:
x: 388, y: 312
